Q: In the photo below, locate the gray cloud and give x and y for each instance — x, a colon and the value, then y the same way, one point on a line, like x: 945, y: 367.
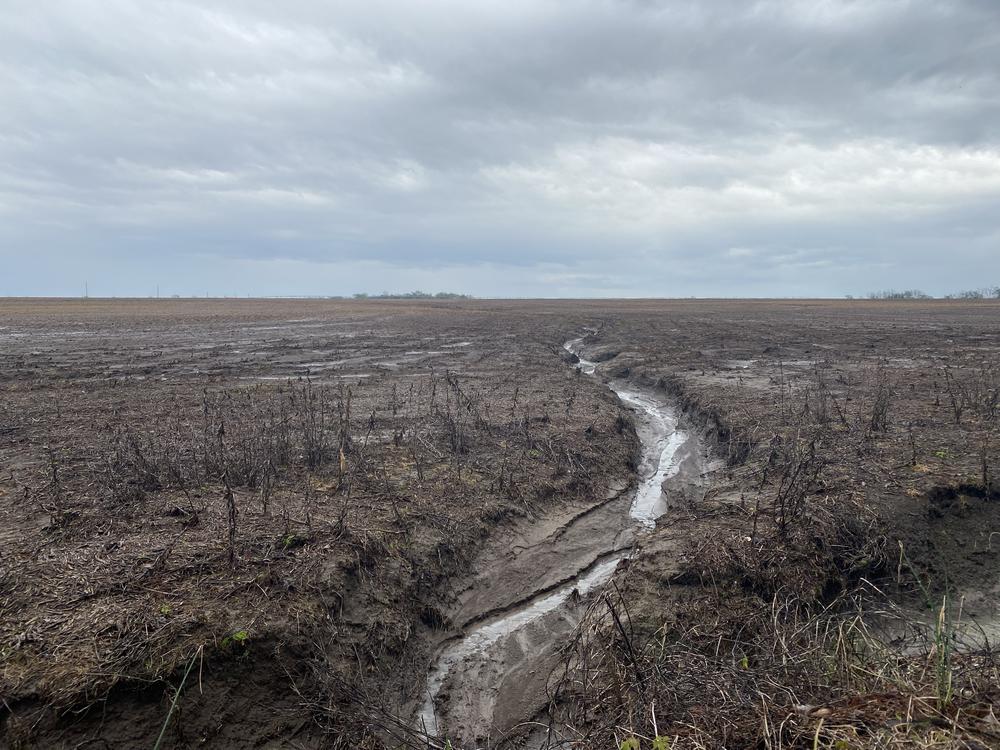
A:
x: 518, y: 147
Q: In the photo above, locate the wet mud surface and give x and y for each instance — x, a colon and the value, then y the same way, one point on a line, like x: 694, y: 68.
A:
x: 490, y: 682
x: 453, y: 553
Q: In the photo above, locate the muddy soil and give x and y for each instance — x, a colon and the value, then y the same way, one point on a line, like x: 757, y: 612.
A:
x: 123, y: 425
x: 482, y: 479
x: 890, y: 414
x: 489, y: 682
x: 763, y: 369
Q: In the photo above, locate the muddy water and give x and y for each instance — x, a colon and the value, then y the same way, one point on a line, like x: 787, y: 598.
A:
x: 493, y: 675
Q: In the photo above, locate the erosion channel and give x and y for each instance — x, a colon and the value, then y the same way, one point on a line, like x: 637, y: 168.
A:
x: 527, y: 598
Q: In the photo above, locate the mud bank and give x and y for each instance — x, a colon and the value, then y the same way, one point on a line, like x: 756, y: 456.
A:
x: 489, y: 682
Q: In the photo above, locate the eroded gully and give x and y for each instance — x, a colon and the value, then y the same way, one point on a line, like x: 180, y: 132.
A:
x: 513, y: 616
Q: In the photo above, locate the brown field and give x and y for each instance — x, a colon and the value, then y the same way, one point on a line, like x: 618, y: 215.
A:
x: 253, y: 523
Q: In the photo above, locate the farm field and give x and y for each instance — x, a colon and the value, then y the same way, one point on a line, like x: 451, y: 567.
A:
x: 381, y: 523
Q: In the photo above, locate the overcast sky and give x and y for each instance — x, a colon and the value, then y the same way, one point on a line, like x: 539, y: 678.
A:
x: 509, y: 147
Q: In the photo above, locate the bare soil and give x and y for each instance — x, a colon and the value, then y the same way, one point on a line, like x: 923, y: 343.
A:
x: 294, y: 502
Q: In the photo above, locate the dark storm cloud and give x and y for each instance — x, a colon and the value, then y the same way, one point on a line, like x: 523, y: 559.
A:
x: 526, y: 147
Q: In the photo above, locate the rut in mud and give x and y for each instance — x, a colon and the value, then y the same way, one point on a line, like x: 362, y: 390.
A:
x: 491, y: 679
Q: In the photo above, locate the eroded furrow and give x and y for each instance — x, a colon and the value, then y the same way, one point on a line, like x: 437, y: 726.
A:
x: 492, y: 676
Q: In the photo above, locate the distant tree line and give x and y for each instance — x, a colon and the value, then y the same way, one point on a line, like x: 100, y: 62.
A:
x: 893, y: 294
x: 992, y: 292
x: 413, y: 295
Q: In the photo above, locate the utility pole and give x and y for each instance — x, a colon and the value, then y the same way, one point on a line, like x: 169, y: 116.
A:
x: 86, y: 290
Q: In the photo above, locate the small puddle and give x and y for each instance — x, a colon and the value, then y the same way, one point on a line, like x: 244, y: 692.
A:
x: 471, y: 653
